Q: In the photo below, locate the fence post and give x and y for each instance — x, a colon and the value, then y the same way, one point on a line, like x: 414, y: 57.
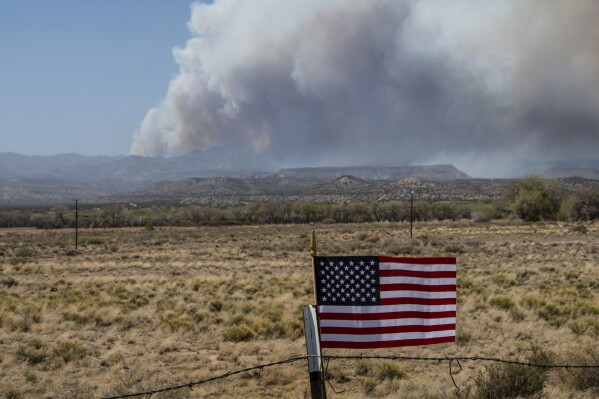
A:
x: 76, y: 225
x: 317, y: 387
x: 411, y: 211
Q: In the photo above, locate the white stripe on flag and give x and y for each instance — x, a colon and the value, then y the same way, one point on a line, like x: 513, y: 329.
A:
x: 417, y: 294
x: 418, y: 280
x: 386, y: 308
x: 386, y: 337
x: 419, y: 268
x: 386, y: 323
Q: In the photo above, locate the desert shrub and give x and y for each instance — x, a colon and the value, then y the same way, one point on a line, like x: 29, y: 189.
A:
x: 368, y: 385
x: 482, y: 215
x: 176, y: 321
x: 34, y: 352
x: 463, y: 337
x: 8, y: 281
x: 379, y: 379
x: 534, y: 301
x: 516, y: 314
x: 12, y: 393
x: 361, y: 236
x: 26, y: 252
x: 69, y: 351
x: 216, y: 306
x: 381, y: 370
x: 454, y: 249
x: 555, y: 315
x: 513, y: 380
x: 523, y: 274
x: 17, y: 261
x: 239, y: 333
x: 403, y: 249
x: 584, y: 205
x: 585, y: 325
x: 502, y: 302
x: 581, y: 379
x: 580, y: 229
x: 390, y: 371
x: 78, y: 317
x: 95, y: 241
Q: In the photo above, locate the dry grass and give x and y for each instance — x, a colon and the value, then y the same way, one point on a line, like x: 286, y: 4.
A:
x: 140, y: 308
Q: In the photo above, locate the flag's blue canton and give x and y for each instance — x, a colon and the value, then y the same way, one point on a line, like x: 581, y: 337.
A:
x: 347, y: 280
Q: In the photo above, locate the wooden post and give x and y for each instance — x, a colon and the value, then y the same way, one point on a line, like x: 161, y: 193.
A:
x: 317, y: 387
x: 411, y: 212
x: 76, y: 225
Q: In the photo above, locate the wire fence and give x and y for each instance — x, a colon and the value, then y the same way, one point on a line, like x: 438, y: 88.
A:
x: 439, y: 359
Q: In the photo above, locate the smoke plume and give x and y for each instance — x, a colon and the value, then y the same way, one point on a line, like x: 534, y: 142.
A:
x: 309, y: 82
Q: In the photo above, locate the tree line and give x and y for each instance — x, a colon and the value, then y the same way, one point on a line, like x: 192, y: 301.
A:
x: 530, y: 199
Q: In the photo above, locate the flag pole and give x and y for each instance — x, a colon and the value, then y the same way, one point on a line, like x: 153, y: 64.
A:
x: 313, y: 253
x: 312, y: 330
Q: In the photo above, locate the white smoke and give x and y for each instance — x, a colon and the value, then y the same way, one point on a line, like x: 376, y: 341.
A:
x: 312, y: 82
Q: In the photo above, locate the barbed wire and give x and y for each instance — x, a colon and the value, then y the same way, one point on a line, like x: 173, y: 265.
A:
x: 328, y: 358
x: 456, y: 358
x: 190, y: 385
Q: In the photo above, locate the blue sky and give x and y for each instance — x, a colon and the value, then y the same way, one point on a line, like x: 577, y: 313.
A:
x: 79, y: 76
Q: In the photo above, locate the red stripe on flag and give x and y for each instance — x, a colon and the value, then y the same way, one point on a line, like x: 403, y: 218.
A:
x: 386, y: 344
x: 385, y: 330
x: 418, y: 261
x: 386, y: 316
x: 418, y: 301
x: 416, y: 273
x: 418, y: 287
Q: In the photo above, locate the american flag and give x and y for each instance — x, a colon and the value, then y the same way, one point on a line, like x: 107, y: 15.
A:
x: 381, y: 302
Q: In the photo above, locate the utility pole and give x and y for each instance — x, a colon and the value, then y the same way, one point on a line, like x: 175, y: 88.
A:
x: 76, y: 225
x: 411, y: 211
x: 411, y: 192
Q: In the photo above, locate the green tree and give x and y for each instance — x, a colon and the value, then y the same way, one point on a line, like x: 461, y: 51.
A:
x: 60, y: 214
x: 359, y: 212
x: 311, y: 211
x: 533, y: 199
x: 394, y: 211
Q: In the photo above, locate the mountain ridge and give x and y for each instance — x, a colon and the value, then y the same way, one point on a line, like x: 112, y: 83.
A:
x: 380, y: 172
x: 61, y: 178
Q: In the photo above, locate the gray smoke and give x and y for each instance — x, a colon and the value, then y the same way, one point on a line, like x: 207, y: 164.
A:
x: 479, y: 84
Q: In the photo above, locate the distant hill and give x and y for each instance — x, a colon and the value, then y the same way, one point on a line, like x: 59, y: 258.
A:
x: 60, y: 178
x: 220, y: 177
x: 345, y: 189
x: 585, y: 168
x: 124, y: 173
x: 17, y: 192
x: 24, y: 166
x: 431, y: 172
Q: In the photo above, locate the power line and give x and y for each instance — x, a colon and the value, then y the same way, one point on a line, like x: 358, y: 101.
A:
x: 328, y: 358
